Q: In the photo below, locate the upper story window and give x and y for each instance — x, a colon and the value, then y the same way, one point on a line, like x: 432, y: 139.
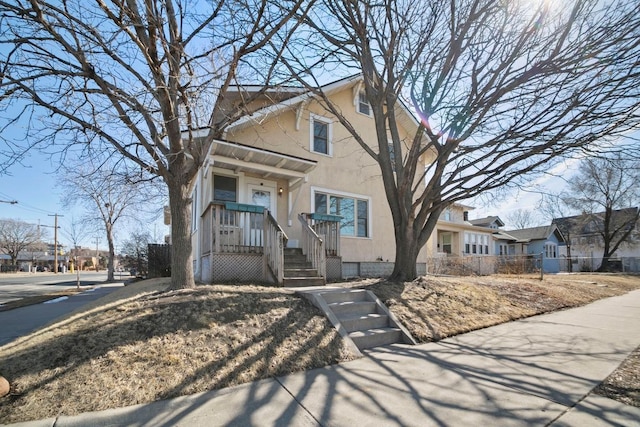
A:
x: 363, y: 104
x: 447, y: 214
x: 320, y: 135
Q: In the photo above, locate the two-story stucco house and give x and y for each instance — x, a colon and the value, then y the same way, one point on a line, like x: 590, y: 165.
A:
x: 290, y: 175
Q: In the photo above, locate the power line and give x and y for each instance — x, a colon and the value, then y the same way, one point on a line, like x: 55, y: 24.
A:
x: 22, y: 205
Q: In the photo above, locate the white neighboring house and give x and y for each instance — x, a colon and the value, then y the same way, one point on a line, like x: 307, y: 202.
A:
x: 585, y: 244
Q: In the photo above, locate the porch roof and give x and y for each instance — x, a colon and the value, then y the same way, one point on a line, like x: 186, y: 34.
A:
x: 244, y: 158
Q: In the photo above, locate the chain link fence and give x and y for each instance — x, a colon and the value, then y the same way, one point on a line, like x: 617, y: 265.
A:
x: 485, y: 265
x: 525, y: 265
x: 591, y: 264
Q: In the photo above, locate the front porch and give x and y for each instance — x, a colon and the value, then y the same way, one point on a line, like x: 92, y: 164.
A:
x: 245, y: 243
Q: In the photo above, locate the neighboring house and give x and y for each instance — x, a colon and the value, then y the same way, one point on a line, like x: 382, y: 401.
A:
x: 585, y: 244
x: 456, y: 235
x: 533, y: 241
x: 291, y: 159
x: 29, y: 261
x: 492, y: 222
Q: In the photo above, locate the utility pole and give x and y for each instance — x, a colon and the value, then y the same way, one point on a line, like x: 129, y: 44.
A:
x: 55, y: 243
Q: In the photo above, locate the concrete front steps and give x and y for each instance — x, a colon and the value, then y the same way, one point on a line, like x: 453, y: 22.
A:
x: 360, y: 317
x: 298, y: 272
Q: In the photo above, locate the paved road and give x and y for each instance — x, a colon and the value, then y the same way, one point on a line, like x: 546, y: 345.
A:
x: 21, y: 321
x: 21, y: 285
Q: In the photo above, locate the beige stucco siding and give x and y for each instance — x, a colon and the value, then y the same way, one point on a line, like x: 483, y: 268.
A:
x: 347, y: 172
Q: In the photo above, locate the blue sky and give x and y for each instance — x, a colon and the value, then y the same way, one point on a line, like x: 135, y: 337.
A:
x: 33, y: 185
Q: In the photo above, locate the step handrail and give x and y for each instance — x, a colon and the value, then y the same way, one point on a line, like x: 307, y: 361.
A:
x: 275, y: 240
x: 313, y: 247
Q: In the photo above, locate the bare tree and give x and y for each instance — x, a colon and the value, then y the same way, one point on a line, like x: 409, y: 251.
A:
x: 109, y: 198
x: 521, y: 218
x: 606, y: 191
x: 17, y: 236
x: 502, y: 91
x: 76, y: 233
x: 140, y: 80
x: 136, y: 252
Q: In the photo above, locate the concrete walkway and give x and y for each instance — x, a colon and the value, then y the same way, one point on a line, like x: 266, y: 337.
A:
x: 534, y: 372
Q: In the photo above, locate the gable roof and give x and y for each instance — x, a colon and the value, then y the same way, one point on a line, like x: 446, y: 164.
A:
x: 586, y: 224
x: 536, y: 233
x: 487, y: 221
x: 300, y: 95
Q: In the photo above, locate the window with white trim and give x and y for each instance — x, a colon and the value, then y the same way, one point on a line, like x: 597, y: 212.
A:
x: 475, y: 243
x: 504, y: 249
x: 363, y: 104
x: 550, y: 250
x: 354, y: 212
x: 320, y: 135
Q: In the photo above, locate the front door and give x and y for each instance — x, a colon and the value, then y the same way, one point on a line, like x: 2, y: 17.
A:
x: 260, y: 195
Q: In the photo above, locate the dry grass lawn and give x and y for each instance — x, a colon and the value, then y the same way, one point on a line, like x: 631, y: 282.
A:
x: 144, y: 343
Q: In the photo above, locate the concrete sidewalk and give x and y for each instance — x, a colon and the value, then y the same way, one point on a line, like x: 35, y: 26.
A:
x: 534, y: 372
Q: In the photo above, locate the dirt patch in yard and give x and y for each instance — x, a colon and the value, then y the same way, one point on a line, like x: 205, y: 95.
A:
x: 623, y: 384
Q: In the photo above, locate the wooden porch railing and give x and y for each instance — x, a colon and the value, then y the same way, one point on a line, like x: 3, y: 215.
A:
x: 312, y: 247
x: 232, y: 227
x: 241, y: 228
x: 327, y: 227
x: 274, y: 243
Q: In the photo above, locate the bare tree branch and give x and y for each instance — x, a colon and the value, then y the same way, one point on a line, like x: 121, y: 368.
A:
x: 136, y: 79
x: 502, y: 90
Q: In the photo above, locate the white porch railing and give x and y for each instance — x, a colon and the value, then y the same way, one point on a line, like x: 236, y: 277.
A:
x: 313, y: 247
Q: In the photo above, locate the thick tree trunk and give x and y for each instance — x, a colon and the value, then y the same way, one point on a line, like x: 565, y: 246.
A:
x: 407, y: 250
x: 181, y: 255
x: 605, y: 266
x: 405, y: 264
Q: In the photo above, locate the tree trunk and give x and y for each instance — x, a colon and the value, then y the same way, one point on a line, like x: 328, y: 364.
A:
x: 110, y: 275
x: 407, y: 249
x: 181, y: 251
x: 606, y: 254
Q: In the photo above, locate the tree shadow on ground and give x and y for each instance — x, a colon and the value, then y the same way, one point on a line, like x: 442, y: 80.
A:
x: 249, y: 334
x: 492, y: 382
